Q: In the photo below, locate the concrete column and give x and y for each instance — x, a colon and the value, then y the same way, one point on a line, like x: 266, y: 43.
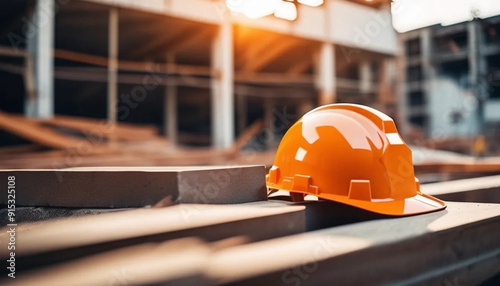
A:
x: 325, y: 72
x: 112, y: 64
x: 428, y: 69
x: 402, y: 88
x: 222, y: 87
x: 170, y: 109
x: 41, y: 47
x: 477, y: 69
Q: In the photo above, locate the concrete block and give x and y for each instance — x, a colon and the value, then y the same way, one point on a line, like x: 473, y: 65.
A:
x: 123, y: 187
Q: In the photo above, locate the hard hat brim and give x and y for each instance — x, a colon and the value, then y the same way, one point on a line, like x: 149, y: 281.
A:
x: 419, y: 204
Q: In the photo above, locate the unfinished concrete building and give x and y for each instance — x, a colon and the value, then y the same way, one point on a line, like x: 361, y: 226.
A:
x: 452, y: 85
x: 197, y: 71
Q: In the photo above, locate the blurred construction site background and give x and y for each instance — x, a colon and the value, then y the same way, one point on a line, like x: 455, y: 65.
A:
x: 198, y: 82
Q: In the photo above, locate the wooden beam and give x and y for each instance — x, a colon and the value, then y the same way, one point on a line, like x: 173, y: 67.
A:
x: 254, y: 49
x: 300, y: 67
x: 15, y: 69
x: 134, y: 65
x: 274, y: 78
x: 96, y: 127
x: 276, y: 92
x: 156, y: 43
x: 456, y: 244
x: 176, y: 262
x: 99, y: 75
x: 188, y: 39
x: 459, y: 166
x: 32, y: 131
x: 178, y: 42
x: 11, y: 52
x: 267, y: 55
x: 480, y: 190
x: 56, y: 241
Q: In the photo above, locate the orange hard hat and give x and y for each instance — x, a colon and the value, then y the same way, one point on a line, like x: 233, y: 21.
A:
x: 350, y: 154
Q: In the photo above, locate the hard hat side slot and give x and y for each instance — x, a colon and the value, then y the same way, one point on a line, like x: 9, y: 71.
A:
x: 360, y: 190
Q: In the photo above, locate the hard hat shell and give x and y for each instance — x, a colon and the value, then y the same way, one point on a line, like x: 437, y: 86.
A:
x: 350, y: 154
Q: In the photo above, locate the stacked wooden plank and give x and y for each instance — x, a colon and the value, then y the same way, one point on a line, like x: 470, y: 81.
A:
x: 266, y: 242
x: 80, y: 142
x: 31, y: 130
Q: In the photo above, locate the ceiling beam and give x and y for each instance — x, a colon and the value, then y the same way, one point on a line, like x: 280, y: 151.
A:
x: 301, y: 66
x: 253, y: 49
x: 187, y: 39
x: 265, y: 57
x: 173, y: 44
x: 154, y: 44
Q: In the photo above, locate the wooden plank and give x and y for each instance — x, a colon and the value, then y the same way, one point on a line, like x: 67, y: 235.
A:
x: 102, y: 128
x: 273, y: 78
x: 137, y: 66
x: 18, y: 149
x: 481, y: 190
x: 458, y: 166
x: 38, y: 214
x: 121, y: 187
x: 11, y: 52
x: 460, y: 242
x: 40, y: 244
x: 177, y: 262
x: 33, y: 131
